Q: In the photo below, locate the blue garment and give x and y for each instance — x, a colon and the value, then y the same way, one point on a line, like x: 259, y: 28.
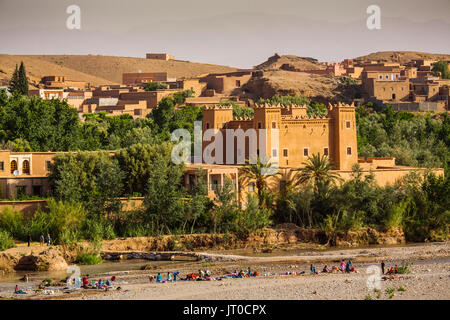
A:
x: 158, y: 278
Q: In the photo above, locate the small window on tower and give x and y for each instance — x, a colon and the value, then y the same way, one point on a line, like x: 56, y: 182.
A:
x: 274, y: 125
x: 349, y: 151
x: 305, y: 152
x: 285, y: 153
x: 348, y: 124
x: 259, y: 125
x: 325, y: 151
x: 207, y: 125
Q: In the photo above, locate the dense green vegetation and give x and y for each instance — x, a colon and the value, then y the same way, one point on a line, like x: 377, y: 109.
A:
x: 421, y: 208
x: 6, y: 241
x: 34, y: 124
x: 440, y: 69
x: 416, y: 140
x: 86, y: 185
x: 238, y: 110
x: 153, y: 86
x: 312, y: 108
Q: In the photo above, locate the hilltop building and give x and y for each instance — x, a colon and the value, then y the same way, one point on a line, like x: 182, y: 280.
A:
x: 159, y: 56
x: 410, y: 87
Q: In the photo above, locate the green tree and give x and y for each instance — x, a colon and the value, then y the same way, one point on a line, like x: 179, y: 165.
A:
x: 440, y: 69
x: 136, y: 162
x: 258, y: 172
x: 91, y: 178
x: 14, y: 82
x: 199, y: 205
x: 224, y: 213
x: 23, y: 81
x: 164, y: 206
x: 317, y: 170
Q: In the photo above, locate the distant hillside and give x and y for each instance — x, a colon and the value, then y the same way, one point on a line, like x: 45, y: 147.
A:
x: 276, y: 61
x: 100, y: 69
x: 37, y: 68
x: 401, y: 56
x: 111, y: 68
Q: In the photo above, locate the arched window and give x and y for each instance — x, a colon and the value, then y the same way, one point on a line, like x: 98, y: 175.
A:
x: 26, y: 167
x: 13, y: 166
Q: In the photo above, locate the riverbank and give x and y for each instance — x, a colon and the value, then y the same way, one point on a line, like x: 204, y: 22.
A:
x: 37, y: 257
x: 429, y: 277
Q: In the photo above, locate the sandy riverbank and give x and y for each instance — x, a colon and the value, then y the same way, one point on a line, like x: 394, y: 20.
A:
x: 427, y: 281
x: 429, y: 277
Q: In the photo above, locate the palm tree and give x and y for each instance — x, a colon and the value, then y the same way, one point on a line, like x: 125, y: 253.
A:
x: 258, y: 172
x: 317, y: 171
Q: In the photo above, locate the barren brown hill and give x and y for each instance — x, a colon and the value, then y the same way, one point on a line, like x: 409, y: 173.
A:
x: 402, y: 56
x: 37, y: 68
x: 111, y: 68
x: 302, y: 63
x: 320, y: 88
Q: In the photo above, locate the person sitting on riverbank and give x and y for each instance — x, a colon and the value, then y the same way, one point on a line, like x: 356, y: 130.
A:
x: 159, y: 278
x: 343, y: 265
x: 175, y: 275
x: 312, y: 269
x: 17, y: 291
x: 85, y: 282
x: 348, y: 266
x: 325, y: 269
x: 396, y: 269
x: 169, y: 277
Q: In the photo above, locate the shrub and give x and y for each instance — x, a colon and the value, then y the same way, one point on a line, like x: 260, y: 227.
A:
x: 253, y: 218
x: 88, y: 258
x: 13, y: 222
x: 97, y: 229
x: 63, y: 220
x: 6, y: 241
x: 404, y: 268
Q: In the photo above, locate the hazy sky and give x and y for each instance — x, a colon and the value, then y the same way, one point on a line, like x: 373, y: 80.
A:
x: 240, y: 33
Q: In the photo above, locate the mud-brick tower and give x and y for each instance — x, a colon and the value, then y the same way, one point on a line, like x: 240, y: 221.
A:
x: 217, y: 118
x: 344, y: 135
x: 268, y: 117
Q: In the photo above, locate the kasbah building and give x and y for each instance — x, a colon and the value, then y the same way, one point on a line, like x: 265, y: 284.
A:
x: 300, y: 136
